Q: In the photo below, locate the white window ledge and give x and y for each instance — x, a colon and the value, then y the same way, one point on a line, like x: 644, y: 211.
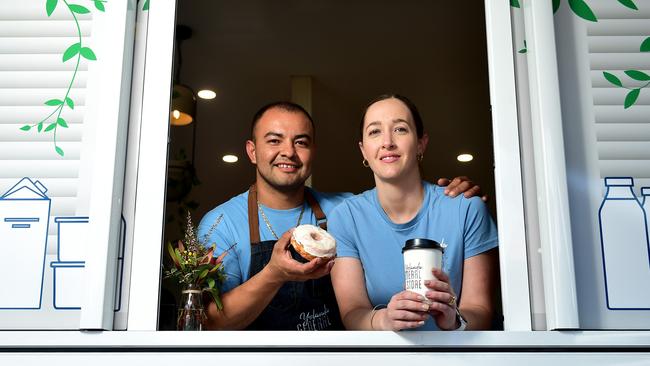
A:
x: 77, y: 341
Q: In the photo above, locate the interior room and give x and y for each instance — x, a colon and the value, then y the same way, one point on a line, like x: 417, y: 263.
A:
x: 332, y: 57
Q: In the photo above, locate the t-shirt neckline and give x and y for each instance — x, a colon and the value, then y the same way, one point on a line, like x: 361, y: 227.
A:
x: 407, y: 225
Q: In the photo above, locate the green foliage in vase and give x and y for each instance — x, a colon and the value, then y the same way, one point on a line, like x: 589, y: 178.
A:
x: 194, y: 262
x: 54, y: 120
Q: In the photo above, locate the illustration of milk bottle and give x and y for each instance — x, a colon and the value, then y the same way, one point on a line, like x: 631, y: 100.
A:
x: 625, y: 247
x: 645, y: 203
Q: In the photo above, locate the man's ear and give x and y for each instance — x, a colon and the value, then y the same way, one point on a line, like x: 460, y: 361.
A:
x: 250, y: 151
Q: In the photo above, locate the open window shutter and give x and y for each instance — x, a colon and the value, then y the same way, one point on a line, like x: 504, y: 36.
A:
x: 607, y: 136
x: 64, y: 82
x: 623, y: 134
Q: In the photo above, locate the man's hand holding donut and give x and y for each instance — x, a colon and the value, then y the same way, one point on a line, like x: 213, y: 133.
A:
x: 285, y: 268
x: 443, y: 300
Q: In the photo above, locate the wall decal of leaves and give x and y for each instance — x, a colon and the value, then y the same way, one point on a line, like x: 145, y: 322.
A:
x: 629, y: 3
x: 633, y: 93
x: 78, y: 50
x: 145, y: 7
x: 645, y: 46
x: 581, y: 9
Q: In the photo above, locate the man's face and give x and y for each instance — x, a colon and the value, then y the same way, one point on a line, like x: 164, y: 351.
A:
x: 282, y: 149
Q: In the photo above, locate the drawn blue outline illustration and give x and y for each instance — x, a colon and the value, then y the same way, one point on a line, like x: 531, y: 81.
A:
x: 600, y: 224
x: 37, y: 189
x: 120, y: 265
x: 645, y: 192
x: 57, y: 265
x: 60, y: 263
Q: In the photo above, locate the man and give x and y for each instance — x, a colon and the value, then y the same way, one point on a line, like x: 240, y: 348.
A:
x: 265, y: 287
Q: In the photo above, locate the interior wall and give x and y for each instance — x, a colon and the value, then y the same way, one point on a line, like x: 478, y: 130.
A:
x: 432, y: 52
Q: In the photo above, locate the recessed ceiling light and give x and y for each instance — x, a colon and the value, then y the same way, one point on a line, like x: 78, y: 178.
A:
x: 230, y: 158
x: 464, y: 158
x: 206, y: 94
x: 176, y: 114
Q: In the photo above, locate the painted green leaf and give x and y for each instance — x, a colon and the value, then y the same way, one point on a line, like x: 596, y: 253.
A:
x: 69, y: 102
x: 556, y: 5
x: 523, y: 50
x: 629, y: 3
x: 40, y: 126
x: 645, y: 46
x: 145, y: 7
x: 99, y: 5
x: 515, y: 3
x: 61, y: 122
x: 88, y: 54
x: 612, y: 79
x: 637, y: 75
x: 59, y: 150
x: 50, y: 5
x: 54, y: 102
x: 71, y: 51
x: 50, y: 127
x: 78, y: 9
x: 26, y: 128
x: 631, y: 97
x: 581, y: 9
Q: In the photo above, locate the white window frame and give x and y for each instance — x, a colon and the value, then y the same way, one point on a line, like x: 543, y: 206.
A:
x: 152, y: 162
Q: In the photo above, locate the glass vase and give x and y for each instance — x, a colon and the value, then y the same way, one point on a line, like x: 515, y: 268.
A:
x: 191, y: 313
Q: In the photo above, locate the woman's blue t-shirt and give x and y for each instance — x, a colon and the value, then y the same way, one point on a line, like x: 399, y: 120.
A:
x: 363, y: 230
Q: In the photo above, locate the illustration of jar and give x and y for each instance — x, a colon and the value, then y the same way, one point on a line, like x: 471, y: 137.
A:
x: 625, y: 247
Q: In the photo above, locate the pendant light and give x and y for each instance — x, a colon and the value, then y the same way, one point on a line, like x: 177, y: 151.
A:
x: 183, y: 111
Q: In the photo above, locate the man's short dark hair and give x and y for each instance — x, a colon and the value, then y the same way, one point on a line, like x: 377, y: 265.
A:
x: 284, y: 105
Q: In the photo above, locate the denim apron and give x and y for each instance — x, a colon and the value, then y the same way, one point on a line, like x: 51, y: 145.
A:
x: 308, y: 305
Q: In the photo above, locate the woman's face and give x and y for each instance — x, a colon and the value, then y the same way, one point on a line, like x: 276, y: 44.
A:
x: 390, y: 143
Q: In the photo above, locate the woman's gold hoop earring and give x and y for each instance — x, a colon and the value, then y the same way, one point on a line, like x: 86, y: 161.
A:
x: 420, y: 157
x: 364, y: 162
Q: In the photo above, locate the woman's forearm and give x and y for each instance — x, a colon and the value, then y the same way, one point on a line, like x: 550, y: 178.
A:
x: 360, y: 319
x: 477, y: 317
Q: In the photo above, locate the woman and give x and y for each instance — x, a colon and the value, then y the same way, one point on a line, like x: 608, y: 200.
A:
x: 371, y: 229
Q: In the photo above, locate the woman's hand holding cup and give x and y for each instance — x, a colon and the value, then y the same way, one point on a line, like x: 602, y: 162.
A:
x: 443, y: 300
x: 405, y: 310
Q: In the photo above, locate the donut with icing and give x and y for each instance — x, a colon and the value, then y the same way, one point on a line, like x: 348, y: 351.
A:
x: 313, y: 242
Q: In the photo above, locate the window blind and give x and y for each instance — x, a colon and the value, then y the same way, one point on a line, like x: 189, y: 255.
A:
x: 622, y: 134
x: 31, y: 73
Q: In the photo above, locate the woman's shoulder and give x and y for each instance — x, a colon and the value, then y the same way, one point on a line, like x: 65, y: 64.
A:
x: 439, y: 198
x: 355, y: 202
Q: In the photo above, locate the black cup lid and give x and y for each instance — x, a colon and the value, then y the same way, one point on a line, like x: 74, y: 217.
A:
x: 421, y: 243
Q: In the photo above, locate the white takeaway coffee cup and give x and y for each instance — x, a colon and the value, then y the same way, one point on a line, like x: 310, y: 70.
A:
x: 420, y: 257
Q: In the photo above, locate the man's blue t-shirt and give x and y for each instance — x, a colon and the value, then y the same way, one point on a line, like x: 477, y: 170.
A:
x: 233, y: 229
x: 363, y: 230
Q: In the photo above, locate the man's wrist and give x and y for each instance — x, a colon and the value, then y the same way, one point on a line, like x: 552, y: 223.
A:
x: 273, y: 275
